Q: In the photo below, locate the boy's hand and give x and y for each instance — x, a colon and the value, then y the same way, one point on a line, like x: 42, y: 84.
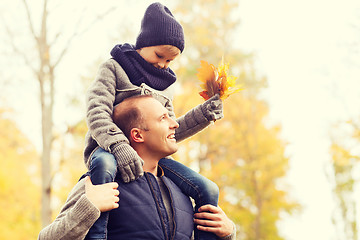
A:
x: 213, y: 108
x: 103, y: 196
x: 213, y: 219
x: 129, y: 162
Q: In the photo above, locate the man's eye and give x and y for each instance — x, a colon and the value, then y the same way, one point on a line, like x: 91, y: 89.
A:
x: 164, y: 117
x: 159, y: 56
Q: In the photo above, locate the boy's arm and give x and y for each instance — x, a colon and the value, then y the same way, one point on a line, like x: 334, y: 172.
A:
x: 81, y: 210
x: 100, y: 101
x: 199, y: 118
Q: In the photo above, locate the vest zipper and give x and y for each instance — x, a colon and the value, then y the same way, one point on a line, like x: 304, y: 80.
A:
x: 172, y: 209
x: 157, y: 204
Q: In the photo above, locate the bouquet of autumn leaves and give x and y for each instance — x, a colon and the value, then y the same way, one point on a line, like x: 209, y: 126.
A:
x: 216, y: 80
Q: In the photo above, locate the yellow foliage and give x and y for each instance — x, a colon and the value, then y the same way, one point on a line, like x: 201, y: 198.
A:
x: 344, y: 160
x: 19, y: 188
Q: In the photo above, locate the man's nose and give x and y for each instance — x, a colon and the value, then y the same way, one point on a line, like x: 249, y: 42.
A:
x: 174, y: 123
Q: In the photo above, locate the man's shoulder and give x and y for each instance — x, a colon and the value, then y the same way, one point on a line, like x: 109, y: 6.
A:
x: 77, y: 190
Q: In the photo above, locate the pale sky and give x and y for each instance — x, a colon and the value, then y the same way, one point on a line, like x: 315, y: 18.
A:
x: 307, y: 50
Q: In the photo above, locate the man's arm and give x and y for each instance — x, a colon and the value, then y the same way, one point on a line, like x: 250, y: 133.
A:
x: 213, y: 219
x: 81, y: 210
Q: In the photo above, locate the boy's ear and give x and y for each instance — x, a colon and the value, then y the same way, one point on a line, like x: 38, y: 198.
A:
x: 136, y: 135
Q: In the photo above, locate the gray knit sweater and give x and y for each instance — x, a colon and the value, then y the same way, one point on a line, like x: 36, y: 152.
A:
x: 110, y: 87
x: 75, y: 218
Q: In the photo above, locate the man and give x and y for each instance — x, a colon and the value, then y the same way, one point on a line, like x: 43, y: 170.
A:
x: 152, y: 207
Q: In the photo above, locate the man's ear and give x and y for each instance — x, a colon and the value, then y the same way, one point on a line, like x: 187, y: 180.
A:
x: 136, y: 135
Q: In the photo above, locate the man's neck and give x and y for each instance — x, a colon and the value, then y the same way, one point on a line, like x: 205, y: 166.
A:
x: 150, y: 167
x: 150, y: 163
x: 151, y: 158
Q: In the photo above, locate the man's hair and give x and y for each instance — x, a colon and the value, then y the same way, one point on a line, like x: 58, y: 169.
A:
x: 127, y: 115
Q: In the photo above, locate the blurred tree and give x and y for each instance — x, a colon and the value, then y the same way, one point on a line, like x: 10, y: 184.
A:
x: 70, y: 166
x: 71, y: 145
x: 43, y: 64
x: 19, y: 184
x: 345, y: 156
x: 242, y: 154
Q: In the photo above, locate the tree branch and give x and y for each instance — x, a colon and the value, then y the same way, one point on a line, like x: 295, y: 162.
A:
x: 76, y: 33
x: 16, y: 49
x: 31, y: 25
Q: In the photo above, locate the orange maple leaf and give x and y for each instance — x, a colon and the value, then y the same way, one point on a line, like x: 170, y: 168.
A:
x: 216, y: 80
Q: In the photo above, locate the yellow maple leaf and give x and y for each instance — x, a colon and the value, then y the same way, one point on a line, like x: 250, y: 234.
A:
x: 216, y: 80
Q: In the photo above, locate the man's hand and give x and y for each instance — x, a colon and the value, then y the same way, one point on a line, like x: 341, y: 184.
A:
x: 103, y: 196
x: 213, y: 219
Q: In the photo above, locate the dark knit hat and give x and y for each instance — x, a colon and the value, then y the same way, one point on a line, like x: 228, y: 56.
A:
x: 159, y: 27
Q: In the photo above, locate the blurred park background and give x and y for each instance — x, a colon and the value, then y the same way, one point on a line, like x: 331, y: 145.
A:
x: 286, y: 155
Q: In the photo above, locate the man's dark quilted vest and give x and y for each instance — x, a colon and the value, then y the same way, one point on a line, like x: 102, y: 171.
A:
x: 142, y: 215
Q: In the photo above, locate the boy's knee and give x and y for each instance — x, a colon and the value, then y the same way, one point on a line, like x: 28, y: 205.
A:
x: 105, y: 163
x: 103, y: 171
x: 211, y: 192
x: 109, y: 163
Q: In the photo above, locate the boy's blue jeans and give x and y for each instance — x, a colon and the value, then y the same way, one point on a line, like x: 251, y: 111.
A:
x: 103, y: 169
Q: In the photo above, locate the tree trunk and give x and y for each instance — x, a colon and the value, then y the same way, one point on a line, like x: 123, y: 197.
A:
x: 258, y: 202
x: 43, y: 69
x: 46, y: 181
x: 46, y: 82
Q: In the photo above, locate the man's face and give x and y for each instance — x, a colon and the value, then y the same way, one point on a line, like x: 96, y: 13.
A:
x: 159, y: 56
x: 159, y: 137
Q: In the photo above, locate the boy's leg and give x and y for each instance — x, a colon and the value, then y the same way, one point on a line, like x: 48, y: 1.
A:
x: 192, y: 184
x: 103, y: 169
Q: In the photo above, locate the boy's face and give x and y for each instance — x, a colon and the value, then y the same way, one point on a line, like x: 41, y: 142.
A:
x: 159, y: 56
